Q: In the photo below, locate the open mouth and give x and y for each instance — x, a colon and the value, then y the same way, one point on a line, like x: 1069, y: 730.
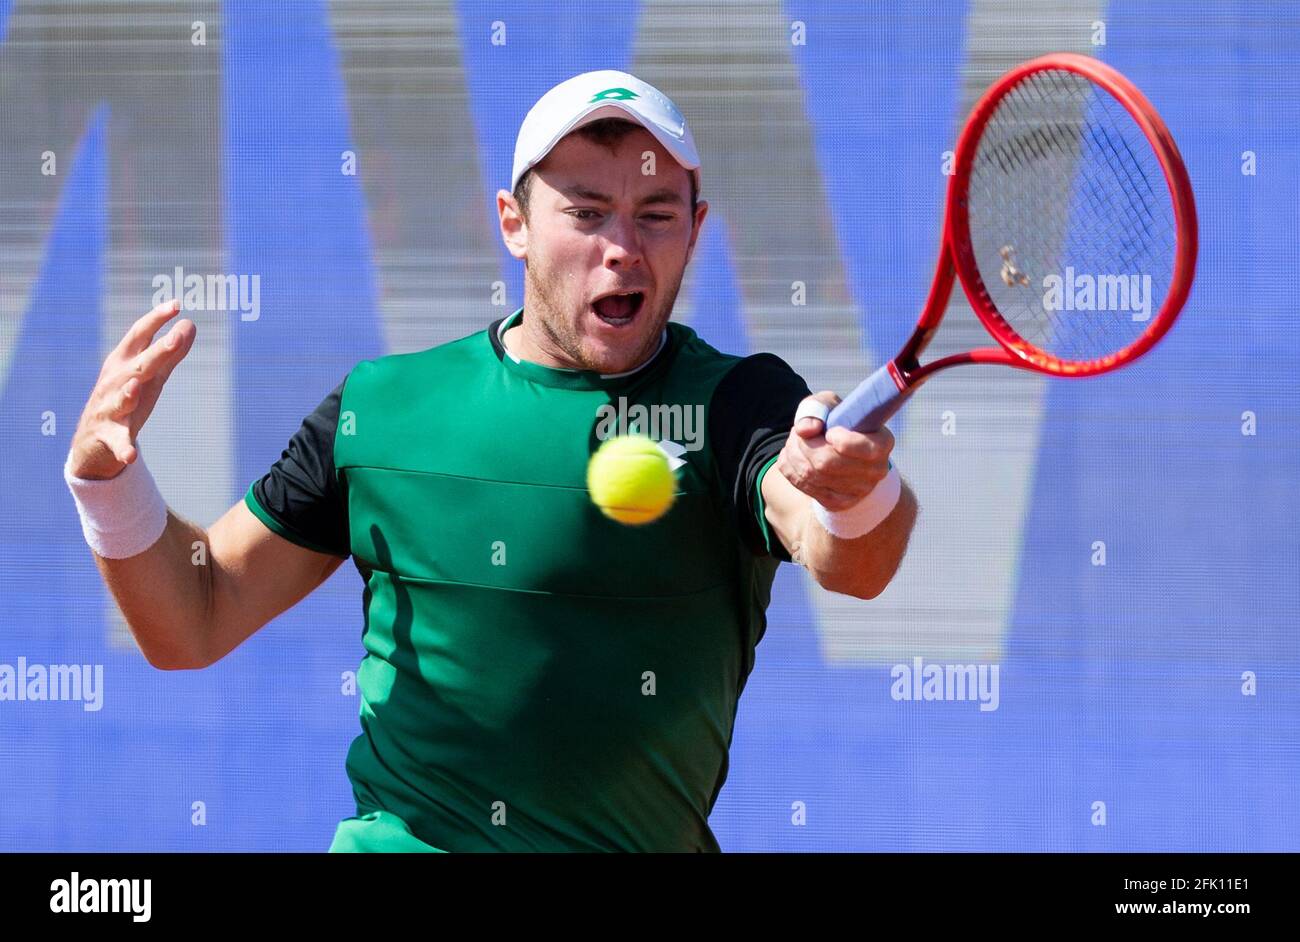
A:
x: 619, y: 310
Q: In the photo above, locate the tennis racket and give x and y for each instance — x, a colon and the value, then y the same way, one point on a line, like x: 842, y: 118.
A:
x: 1070, y: 224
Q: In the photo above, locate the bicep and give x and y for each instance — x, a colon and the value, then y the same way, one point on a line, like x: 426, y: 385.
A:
x: 286, y: 537
x: 255, y: 575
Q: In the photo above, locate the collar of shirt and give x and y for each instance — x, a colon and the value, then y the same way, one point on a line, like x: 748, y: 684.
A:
x: 517, y: 317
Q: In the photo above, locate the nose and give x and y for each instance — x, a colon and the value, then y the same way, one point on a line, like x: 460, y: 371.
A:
x: 622, y: 243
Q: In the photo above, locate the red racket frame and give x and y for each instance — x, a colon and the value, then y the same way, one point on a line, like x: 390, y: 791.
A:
x: 957, y: 259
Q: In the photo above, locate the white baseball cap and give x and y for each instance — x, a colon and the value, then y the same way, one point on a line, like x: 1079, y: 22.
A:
x: 588, y: 97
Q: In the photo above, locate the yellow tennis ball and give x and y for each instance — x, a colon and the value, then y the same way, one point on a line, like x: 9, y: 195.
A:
x: 629, y: 480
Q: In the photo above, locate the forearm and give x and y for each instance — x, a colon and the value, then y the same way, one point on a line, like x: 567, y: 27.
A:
x: 166, y: 595
x: 861, y: 567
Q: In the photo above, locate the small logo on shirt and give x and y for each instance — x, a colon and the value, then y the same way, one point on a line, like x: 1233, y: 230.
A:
x: 674, y: 452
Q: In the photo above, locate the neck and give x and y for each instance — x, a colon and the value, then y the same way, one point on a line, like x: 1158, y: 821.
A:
x: 520, y: 342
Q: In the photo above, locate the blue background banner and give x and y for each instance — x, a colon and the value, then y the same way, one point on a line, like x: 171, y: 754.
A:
x: 1124, y: 549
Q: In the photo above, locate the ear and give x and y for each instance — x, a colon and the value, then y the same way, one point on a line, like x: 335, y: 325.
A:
x: 701, y: 210
x: 514, y: 231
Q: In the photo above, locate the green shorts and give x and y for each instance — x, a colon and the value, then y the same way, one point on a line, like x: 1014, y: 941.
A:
x: 379, y: 832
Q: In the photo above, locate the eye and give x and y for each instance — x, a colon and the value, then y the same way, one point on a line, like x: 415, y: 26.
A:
x: 577, y: 214
x: 659, y: 217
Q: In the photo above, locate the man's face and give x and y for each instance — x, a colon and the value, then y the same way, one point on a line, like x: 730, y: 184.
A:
x: 600, y: 225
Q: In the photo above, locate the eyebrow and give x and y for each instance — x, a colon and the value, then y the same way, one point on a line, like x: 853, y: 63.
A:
x: 662, y: 195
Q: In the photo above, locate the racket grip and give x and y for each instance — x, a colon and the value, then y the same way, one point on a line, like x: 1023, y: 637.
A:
x: 871, y: 404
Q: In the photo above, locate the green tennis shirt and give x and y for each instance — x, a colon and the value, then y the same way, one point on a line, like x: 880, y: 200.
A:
x: 538, y: 677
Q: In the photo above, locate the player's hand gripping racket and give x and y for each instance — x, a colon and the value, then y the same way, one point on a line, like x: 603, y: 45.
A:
x: 1070, y: 224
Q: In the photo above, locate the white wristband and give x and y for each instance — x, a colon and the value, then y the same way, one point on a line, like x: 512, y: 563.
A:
x: 866, y: 514
x: 122, y: 516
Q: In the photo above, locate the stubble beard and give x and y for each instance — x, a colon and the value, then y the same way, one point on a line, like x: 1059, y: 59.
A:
x: 561, y: 330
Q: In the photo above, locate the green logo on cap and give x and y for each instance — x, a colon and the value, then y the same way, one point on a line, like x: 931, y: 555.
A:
x: 618, y: 94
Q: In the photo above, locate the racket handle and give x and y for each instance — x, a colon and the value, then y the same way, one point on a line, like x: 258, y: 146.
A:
x: 871, y: 404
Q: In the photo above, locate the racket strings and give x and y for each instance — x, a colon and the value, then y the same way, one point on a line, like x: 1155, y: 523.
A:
x: 1108, y: 225
x: 1025, y: 138
x: 1071, y: 222
x: 1042, y: 140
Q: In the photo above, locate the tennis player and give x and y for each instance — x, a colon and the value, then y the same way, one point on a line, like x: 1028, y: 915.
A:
x: 537, y: 677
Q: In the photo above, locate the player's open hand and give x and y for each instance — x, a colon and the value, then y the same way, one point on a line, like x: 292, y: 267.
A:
x: 836, y: 468
x: 126, y: 391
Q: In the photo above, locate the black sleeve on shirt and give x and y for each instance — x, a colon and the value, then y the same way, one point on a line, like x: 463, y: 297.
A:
x: 750, y: 418
x: 301, y: 492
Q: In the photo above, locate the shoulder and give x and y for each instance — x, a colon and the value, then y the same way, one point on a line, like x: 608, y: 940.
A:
x: 761, y: 368
x: 415, y: 371
x: 761, y: 383
x: 737, y: 369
